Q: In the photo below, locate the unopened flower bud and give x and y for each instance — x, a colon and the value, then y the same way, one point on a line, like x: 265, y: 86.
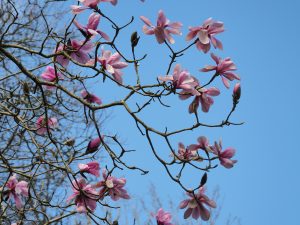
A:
x: 26, y: 88
x: 237, y: 91
x: 134, y: 39
x: 70, y: 142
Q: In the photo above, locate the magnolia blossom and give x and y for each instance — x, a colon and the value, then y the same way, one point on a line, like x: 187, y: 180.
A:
x: 185, y: 154
x: 224, y: 156
x: 113, y: 186
x: 89, y: 4
x: 93, y: 145
x: 202, y: 144
x: 223, y: 68
x: 90, y: 30
x: 51, y: 76
x: 163, y: 29
x: 16, y: 189
x: 85, y: 196
x: 112, y: 64
x: 41, y: 124
x: 78, y: 51
x: 90, y: 97
x: 182, y: 79
x: 196, y: 205
x: 204, y: 98
x: 205, y: 34
x: 163, y: 218
x: 91, y: 167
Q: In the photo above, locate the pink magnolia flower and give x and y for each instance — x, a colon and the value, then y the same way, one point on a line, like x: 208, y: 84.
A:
x: 90, y: 30
x: 182, y: 79
x: 204, y: 98
x: 113, y: 186
x: 237, y: 91
x: 16, y: 189
x: 90, y: 97
x: 202, y: 144
x: 112, y: 64
x: 223, y: 68
x: 185, y: 154
x: 89, y: 4
x: 205, y: 34
x: 224, y: 156
x: 93, y: 145
x: 78, y: 51
x: 91, y: 167
x: 163, y: 218
x: 41, y: 124
x: 196, y: 205
x: 51, y: 76
x: 85, y: 196
x: 163, y: 29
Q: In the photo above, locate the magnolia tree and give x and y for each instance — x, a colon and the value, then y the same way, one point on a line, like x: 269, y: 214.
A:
x: 52, y: 130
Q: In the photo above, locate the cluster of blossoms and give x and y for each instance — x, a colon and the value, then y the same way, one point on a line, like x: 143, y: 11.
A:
x: 15, y: 189
x: 191, y: 152
x: 86, y: 195
x: 181, y: 79
x: 189, y: 86
x: 79, y: 51
x: 205, y: 33
x: 181, y: 82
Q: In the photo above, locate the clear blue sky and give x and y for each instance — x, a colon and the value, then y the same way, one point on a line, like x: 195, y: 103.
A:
x: 262, y: 38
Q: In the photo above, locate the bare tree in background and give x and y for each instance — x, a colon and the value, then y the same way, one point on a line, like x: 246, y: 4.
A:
x: 52, y: 134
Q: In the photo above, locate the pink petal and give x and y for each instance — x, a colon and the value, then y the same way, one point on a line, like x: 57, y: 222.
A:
x: 215, y: 58
x: 216, y: 43
x: 104, y: 35
x: 202, y: 47
x: 228, y: 153
x: 187, y: 213
x: 77, y: 9
x: 191, y: 35
x: 225, y: 82
x: 208, y: 68
x: 213, y: 91
x: 93, y: 21
x: 196, y: 213
x: 146, y: 21
x: 161, y: 20
x: 118, y: 76
x: 159, y: 34
x: 148, y: 31
x: 231, y: 76
x: 166, y: 78
x: 203, y: 37
x: 175, y: 25
x: 204, y: 213
x: 120, y: 65
x: 227, y: 163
